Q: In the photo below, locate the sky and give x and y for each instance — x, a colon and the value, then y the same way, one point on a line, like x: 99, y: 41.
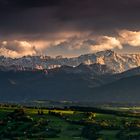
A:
x: 68, y: 27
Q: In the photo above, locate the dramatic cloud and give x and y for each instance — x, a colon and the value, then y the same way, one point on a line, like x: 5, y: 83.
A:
x: 91, y: 43
x: 16, y: 48
x: 37, y: 19
x: 105, y: 43
x: 130, y: 37
x: 68, y: 27
x: 83, y: 44
x: 72, y: 45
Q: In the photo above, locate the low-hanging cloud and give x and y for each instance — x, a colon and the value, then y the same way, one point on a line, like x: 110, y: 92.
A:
x: 106, y: 43
x: 86, y: 44
x: 71, y: 46
x: 130, y: 37
x: 16, y: 48
x: 90, y: 43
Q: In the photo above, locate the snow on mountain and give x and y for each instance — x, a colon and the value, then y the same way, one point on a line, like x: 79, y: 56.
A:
x: 114, y: 61
x: 91, y: 70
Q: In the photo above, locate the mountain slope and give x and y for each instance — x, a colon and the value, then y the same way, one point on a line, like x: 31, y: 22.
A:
x: 62, y: 84
x: 123, y: 90
x: 25, y: 86
x: 114, y: 61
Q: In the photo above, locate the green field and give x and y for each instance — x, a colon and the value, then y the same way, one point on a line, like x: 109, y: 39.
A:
x: 24, y: 123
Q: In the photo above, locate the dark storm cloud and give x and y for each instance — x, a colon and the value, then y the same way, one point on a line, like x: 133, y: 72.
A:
x: 36, y: 19
x: 28, y: 3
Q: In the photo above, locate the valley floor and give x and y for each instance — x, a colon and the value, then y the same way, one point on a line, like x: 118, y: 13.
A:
x: 73, y: 123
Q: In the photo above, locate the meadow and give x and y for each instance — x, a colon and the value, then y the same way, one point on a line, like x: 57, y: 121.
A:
x: 32, y: 123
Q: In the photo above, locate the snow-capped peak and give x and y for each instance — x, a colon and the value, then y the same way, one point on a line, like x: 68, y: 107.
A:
x: 115, y: 61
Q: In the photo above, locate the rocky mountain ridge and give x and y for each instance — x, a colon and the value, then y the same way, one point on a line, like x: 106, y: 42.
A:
x: 114, y: 61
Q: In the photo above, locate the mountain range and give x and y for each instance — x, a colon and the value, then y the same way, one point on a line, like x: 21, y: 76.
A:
x: 115, y: 61
x: 102, y: 77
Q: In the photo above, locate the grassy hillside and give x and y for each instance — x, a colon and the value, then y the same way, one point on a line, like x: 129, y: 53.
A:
x: 57, y: 124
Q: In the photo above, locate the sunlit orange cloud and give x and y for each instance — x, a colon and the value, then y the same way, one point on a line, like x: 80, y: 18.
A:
x: 16, y: 48
x: 56, y: 38
x: 74, y: 39
x: 105, y: 43
x: 130, y: 37
x: 69, y: 44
